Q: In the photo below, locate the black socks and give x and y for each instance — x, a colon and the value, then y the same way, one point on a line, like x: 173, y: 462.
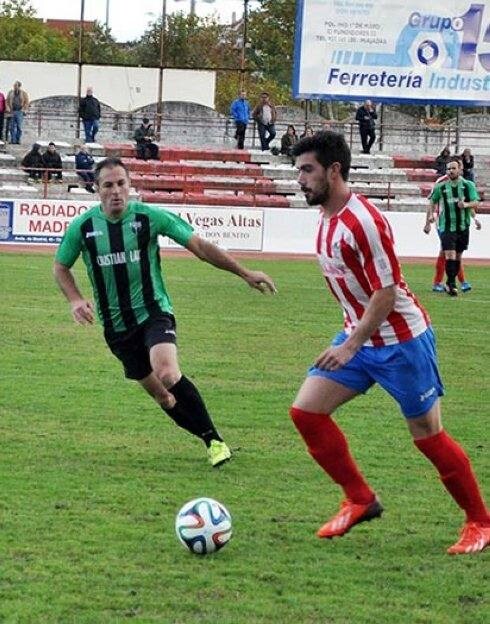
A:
x: 190, y: 412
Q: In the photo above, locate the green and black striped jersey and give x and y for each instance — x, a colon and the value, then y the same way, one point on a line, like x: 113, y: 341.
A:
x: 447, y: 194
x: 122, y: 257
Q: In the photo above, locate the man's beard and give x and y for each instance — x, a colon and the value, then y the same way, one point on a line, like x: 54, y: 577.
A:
x: 319, y: 198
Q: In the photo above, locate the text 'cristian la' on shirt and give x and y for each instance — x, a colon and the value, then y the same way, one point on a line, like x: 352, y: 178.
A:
x: 356, y: 253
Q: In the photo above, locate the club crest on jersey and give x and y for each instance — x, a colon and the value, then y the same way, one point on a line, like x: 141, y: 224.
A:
x: 332, y: 267
x: 93, y: 234
x: 136, y: 226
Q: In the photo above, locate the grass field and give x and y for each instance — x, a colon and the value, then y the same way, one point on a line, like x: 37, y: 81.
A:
x: 92, y: 473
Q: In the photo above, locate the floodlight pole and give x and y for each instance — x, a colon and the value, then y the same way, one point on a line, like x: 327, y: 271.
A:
x: 243, y: 59
x: 80, y: 63
x: 160, y: 73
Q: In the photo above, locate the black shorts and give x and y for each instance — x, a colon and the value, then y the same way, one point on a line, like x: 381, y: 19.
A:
x: 132, y: 347
x: 455, y: 241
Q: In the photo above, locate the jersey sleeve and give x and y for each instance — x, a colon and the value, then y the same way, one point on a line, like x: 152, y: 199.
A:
x: 376, y: 247
x: 70, y: 246
x: 472, y: 191
x: 171, y: 225
x: 435, y: 196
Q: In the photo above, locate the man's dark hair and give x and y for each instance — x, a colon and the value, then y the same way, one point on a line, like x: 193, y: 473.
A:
x: 457, y: 159
x: 265, y: 93
x: 146, y: 120
x: 109, y: 163
x: 328, y: 147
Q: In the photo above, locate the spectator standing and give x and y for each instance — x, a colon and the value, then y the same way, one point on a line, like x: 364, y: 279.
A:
x: 240, y: 111
x: 52, y: 160
x: 89, y: 111
x: 16, y: 106
x: 265, y: 115
x: 2, y: 115
x: 441, y: 161
x: 468, y: 165
x: 84, y: 164
x: 366, y: 116
x: 33, y: 164
x: 144, y: 136
x: 288, y: 140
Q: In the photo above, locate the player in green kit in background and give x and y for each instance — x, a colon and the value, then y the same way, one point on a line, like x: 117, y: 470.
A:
x: 455, y: 200
x: 118, y: 241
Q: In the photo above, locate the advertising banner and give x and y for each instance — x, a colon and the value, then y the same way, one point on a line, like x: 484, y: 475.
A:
x: 229, y: 228
x: 45, y: 221
x: 393, y: 51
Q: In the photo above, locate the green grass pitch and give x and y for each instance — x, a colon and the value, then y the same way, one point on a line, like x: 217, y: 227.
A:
x: 92, y: 472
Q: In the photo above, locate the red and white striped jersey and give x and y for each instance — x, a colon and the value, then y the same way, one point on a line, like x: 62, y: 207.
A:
x: 356, y: 253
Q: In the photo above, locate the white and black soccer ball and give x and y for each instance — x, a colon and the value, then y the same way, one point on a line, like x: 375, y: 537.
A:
x: 203, y: 525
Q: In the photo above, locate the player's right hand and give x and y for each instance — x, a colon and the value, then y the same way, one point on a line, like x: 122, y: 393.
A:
x: 82, y: 312
x: 427, y: 228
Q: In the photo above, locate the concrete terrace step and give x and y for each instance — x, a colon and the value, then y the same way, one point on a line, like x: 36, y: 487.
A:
x: 203, y: 199
x: 421, y: 175
x: 184, y: 153
x: 7, y: 159
x: 20, y: 191
x: 156, y: 167
x: 200, y: 183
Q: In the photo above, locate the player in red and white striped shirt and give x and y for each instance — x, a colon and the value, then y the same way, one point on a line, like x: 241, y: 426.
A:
x: 387, y: 339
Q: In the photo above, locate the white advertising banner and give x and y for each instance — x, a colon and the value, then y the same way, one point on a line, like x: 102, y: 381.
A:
x: 393, y: 51
x: 229, y: 228
x: 45, y: 221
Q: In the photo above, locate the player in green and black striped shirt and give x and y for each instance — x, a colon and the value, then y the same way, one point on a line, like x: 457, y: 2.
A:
x: 455, y: 200
x: 118, y: 241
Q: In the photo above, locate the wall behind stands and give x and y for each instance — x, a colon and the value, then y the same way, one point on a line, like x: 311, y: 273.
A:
x: 121, y: 88
x: 270, y: 230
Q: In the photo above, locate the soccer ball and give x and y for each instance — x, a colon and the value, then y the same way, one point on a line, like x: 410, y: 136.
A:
x: 203, y: 526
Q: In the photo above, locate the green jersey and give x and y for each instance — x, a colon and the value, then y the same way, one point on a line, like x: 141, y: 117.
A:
x: 447, y: 194
x: 122, y: 258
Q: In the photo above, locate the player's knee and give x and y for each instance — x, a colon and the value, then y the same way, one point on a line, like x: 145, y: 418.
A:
x: 168, y: 375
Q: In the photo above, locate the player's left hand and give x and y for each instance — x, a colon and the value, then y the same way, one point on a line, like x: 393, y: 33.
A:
x: 260, y: 281
x: 477, y: 224
x: 334, y: 358
x: 460, y: 204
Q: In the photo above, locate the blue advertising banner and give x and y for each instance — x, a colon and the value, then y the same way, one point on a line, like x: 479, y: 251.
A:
x: 396, y: 51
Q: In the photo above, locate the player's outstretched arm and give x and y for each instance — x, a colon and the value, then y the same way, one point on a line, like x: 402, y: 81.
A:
x: 81, y: 309
x: 223, y: 260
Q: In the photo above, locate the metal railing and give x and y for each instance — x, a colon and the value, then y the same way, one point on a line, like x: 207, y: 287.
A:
x: 195, y: 130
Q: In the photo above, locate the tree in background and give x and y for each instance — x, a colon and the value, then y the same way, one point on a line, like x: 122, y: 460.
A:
x: 23, y: 37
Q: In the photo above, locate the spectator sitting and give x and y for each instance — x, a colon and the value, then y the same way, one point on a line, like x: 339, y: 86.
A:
x: 33, y: 164
x: 84, y: 164
x: 145, y: 137
x: 52, y: 160
x: 308, y: 131
x: 468, y: 165
x: 442, y: 160
x: 288, y: 140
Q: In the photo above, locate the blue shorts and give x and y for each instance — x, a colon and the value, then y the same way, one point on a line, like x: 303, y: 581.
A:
x: 407, y: 371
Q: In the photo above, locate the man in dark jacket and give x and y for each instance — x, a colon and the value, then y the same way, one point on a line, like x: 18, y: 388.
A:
x: 32, y: 163
x: 84, y: 164
x: 144, y: 137
x: 52, y: 160
x: 89, y: 111
x: 366, y: 114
